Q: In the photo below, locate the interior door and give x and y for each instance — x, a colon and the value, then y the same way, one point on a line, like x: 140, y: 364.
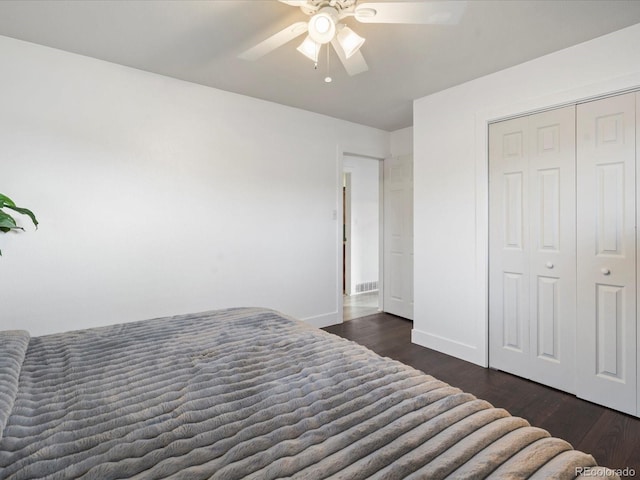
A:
x: 509, y: 345
x: 552, y: 169
x: 532, y: 280
x: 398, y: 236
x: 606, y: 333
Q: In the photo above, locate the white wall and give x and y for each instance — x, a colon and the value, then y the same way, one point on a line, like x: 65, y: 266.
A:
x: 365, y: 219
x: 451, y: 177
x: 160, y: 197
x: 402, y: 142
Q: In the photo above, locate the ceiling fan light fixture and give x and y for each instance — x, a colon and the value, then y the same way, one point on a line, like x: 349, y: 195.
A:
x: 310, y: 48
x: 322, y: 26
x: 349, y: 40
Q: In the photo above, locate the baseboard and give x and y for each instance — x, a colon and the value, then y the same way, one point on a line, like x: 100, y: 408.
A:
x: 326, y: 320
x: 454, y: 348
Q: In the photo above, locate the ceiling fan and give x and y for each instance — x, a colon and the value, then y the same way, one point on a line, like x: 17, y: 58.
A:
x: 325, y: 26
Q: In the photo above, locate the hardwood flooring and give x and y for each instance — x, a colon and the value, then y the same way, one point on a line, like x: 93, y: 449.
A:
x: 613, y: 438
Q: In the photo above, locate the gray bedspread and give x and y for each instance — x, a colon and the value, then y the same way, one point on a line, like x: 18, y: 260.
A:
x: 247, y: 393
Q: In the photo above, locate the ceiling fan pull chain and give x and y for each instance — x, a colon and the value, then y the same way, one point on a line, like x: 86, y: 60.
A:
x: 327, y: 78
x: 328, y: 58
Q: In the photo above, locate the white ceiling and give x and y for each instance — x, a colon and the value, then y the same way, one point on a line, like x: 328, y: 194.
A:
x: 199, y: 41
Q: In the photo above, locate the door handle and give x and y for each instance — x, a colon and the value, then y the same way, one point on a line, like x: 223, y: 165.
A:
x: 548, y: 265
x: 605, y: 271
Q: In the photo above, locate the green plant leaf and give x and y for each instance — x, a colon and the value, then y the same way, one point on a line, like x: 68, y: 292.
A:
x: 7, y: 222
x: 6, y: 201
x: 24, y: 211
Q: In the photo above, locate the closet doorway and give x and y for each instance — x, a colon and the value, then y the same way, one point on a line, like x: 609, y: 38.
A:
x: 362, y: 229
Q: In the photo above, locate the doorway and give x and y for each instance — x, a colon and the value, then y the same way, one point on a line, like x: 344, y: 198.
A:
x: 362, y: 229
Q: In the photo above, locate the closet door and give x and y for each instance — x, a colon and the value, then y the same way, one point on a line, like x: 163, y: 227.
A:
x: 606, y: 333
x: 509, y: 248
x: 552, y: 166
x: 532, y: 247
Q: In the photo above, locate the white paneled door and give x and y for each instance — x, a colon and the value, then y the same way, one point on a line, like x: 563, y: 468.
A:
x: 532, y: 284
x: 552, y: 161
x: 398, y: 236
x: 509, y: 246
x: 606, y: 334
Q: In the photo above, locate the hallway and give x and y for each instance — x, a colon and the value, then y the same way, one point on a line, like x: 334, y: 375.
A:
x: 361, y: 305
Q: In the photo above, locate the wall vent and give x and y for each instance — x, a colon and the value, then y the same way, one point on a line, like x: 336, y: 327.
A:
x: 366, y: 287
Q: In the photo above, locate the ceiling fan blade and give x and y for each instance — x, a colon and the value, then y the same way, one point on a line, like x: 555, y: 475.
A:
x: 274, y: 41
x: 438, y: 13
x: 355, y: 64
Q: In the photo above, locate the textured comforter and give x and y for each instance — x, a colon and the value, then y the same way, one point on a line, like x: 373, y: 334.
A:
x: 247, y: 393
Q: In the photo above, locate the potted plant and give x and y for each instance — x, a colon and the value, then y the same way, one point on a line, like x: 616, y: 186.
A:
x: 7, y: 222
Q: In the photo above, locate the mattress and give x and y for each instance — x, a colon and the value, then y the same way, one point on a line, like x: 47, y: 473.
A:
x: 248, y: 394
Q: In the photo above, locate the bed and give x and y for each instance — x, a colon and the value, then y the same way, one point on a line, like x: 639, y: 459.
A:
x: 248, y: 393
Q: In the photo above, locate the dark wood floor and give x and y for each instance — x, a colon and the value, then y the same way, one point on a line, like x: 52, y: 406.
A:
x: 613, y: 438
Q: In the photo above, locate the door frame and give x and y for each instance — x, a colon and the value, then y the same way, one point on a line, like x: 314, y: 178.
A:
x: 343, y: 151
x: 346, y: 254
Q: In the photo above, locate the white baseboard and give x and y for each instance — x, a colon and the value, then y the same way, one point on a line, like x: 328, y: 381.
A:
x: 456, y: 349
x: 325, y: 320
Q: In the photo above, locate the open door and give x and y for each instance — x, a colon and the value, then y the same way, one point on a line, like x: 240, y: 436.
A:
x: 398, y: 236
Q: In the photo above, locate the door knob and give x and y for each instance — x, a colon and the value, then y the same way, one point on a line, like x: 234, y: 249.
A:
x: 548, y: 265
x: 605, y: 271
